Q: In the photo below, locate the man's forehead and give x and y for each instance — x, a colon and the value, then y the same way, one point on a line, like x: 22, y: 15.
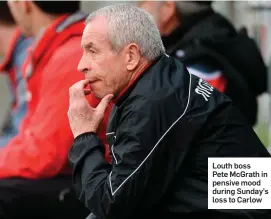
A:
x: 100, y: 33
x: 93, y: 33
x: 96, y: 26
x: 98, y: 22
x: 86, y: 41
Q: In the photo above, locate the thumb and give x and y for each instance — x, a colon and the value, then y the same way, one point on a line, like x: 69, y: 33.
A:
x: 104, y: 103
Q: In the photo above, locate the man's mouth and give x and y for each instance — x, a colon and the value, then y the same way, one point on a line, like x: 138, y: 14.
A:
x: 92, y: 81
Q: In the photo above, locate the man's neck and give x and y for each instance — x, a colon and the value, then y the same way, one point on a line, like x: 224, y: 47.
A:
x: 6, y: 36
x: 133, y: 77
x: 42, y: 21
x: 170, y: 26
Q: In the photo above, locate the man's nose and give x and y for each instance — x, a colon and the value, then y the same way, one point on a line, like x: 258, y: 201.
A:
x: 83, y: 65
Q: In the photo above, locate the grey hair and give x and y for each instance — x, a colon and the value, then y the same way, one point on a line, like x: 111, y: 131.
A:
x: 130, y: 24
x: 187, y: 8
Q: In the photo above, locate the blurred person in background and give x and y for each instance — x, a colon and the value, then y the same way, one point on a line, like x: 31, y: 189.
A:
x: 212, y: 49
x: 35, y: 179
x: 13, y: 47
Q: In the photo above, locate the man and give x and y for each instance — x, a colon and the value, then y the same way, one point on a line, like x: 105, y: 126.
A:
x: 13, y: 48
x: 208, y: 44
x: 34, y: 172
x: 164, y: 125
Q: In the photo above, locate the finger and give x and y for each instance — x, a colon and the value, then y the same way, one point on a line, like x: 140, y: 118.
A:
x: 80, y: 84
x: 77, y: 90
x: 83, y: 83
x: 104, y: 103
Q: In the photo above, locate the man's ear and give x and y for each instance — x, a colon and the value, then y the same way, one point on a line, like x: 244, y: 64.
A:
x: 133, y: 56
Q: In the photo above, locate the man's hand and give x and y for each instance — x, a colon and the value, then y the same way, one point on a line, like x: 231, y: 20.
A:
x: 82, y: 117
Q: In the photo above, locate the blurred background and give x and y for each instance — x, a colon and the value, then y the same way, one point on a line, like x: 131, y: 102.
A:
x: 255, y: 15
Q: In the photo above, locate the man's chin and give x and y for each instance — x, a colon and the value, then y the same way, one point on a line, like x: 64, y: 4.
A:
x: 98, y: 96
x: 101, y: 96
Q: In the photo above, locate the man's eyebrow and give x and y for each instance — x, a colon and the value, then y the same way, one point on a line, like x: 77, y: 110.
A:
x: 87, y: 46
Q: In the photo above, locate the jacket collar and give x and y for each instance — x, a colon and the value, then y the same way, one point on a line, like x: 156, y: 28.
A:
x: 6, y: 63
x: 48, y: 35
x: 126, y: 91
x: 187, y: 24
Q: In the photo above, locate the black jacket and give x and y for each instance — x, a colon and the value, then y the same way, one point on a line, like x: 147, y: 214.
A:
x: 210, y: 39
x: 161, y: 133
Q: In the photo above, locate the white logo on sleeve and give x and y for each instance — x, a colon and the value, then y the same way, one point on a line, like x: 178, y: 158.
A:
x: 204, y: 89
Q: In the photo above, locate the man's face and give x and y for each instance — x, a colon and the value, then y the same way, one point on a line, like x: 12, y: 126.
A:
x: 105, y: 68
x: 22, y: 18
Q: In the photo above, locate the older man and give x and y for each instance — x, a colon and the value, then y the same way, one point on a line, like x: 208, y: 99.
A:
x: 34, y: 171
x: 164, y: 125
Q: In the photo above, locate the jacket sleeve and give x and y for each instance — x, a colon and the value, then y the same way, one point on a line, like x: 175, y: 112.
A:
x: 40, y: 150
x: 144, y: 162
